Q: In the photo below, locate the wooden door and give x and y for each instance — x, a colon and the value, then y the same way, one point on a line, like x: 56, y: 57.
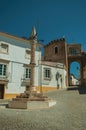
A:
x: 1, y: 91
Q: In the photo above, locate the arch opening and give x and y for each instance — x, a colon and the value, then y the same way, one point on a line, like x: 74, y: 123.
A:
x: 74, y: 74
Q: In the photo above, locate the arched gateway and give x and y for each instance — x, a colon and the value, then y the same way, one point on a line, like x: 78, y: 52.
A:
x: 61, y: 52
x: 75, y: 53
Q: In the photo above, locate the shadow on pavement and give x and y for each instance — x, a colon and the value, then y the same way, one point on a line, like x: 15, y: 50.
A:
x: 81, y: 89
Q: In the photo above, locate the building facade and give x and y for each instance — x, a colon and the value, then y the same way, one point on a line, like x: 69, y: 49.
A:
x: 57, y: 51
x: 53, y: 75
x: 15, y: 55
x: 76, y: 54
x: 61, y: 52
x: 15, y: 68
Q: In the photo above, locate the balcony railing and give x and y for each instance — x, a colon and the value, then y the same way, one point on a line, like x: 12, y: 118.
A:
x: 74, y: 54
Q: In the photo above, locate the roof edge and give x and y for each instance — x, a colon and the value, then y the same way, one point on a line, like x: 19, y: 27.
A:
x: 18, y: 38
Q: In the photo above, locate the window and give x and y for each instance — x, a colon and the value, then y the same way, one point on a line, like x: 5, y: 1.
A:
x: 27, y: 54
x: 4, y: 48
x: 56, y: 50
x: 27, y: 74
x: 47, y: 73
x: 72, y: 51
x: 2, y: 70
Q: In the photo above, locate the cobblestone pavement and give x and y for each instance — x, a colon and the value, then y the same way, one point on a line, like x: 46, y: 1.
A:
x: 68, y: 114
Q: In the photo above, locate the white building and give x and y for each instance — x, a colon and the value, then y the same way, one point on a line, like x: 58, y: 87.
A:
x: 15, y: 68
x: 74, y: 80
x: 52, y: 76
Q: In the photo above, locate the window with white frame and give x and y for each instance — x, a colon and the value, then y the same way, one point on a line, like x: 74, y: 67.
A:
x: 3, y: 69
x: 47, y: 73
x: 4, y: 48
x: 27, y: 73
x: 27, y: 53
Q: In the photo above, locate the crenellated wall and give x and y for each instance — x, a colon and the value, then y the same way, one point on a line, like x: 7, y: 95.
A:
x: 60, y: 55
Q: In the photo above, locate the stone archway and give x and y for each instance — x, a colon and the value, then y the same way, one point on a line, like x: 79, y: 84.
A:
x: 75, y: 55
x: 70, y: 61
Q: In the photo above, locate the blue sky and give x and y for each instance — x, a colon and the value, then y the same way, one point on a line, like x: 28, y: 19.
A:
x: 52, y: 19
x: 75, y: 69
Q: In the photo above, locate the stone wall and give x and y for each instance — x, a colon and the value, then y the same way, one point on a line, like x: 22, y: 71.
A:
x: 60, y: 55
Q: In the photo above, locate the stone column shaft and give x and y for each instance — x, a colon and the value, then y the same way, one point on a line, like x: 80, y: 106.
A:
x: 32, y: 63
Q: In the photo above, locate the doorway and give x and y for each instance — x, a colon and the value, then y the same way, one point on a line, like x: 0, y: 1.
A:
x: 1, y: 91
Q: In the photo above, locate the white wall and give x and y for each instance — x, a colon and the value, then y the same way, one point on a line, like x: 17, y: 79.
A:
x: 74, y: 81
x: 53, y: 82
x: 16, y: 58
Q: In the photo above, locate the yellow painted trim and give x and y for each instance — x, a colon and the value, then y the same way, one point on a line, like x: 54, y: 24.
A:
x: 45, y: 89
x: 38, y: 89
x: 10, y: 96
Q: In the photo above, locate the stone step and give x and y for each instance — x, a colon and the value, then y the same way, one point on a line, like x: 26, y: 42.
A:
x: 31, y: 104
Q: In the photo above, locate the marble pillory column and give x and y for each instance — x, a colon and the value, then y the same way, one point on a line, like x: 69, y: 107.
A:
x: 31, y: 99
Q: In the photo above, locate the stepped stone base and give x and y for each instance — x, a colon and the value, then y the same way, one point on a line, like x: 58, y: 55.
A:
x: 33, y: 101
x: 18, y: 104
